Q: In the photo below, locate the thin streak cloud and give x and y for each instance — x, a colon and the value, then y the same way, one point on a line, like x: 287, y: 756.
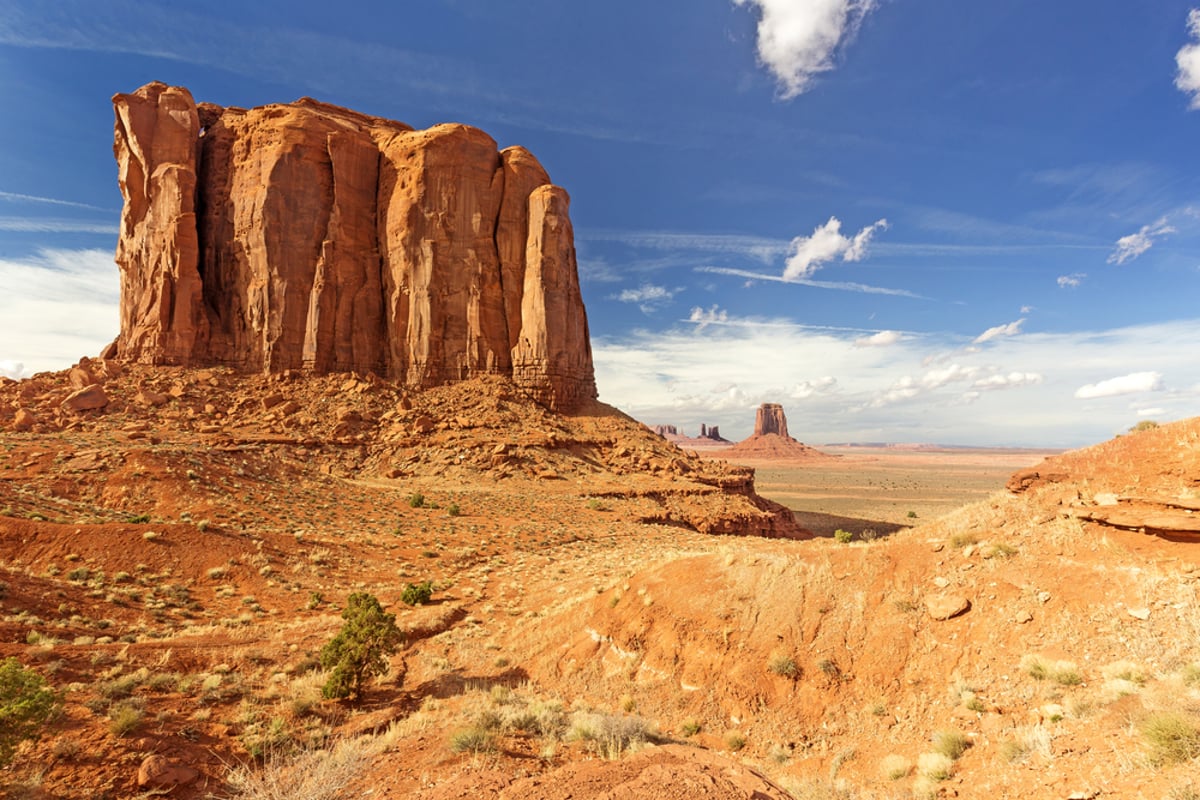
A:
x: 845, y: 286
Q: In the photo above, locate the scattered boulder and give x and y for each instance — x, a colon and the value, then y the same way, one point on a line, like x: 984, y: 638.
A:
x: 88, y: 398
x: 158, y: 772
x: 79, y: 377
x: 146, y: 397
x: 23, y: 420
x: 946, y: 606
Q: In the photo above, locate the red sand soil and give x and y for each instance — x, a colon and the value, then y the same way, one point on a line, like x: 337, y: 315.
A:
x: 579, y: 587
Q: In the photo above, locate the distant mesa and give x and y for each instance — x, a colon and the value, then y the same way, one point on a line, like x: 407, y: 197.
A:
x: 771, y: 440
x: 309, y: 237
x: 710, y: 435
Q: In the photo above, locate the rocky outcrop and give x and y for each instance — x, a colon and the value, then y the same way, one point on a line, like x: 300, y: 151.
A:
x: 310, y: 237
x: 770, y: 419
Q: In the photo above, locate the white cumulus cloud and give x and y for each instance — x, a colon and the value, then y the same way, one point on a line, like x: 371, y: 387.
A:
x: 999, y: 332
x: 1126, y: 384
x: 880, y: 339
x: 1187, y: 79
x: 807, y: 389
x: 807, y: 254
x: 1071, y: 281
x: 797, y: 39
x: 12, y: 369
x: 1012, y: 380
x: 1131, y: 246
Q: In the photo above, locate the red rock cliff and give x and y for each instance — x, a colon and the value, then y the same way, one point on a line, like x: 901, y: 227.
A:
x: 307, y: 236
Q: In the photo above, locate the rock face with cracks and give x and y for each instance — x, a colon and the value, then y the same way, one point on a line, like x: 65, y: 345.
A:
x: 770, y: 419
x: 310, y: 237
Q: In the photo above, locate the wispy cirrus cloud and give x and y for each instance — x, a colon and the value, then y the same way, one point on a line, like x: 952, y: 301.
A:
x: 648, y: 297
x: 1072, y: 281
x: 705, y: 317
x: 38, y: 225
x: 797, y: 41
x: 761, y: 248
x: 844, y: 286
x: 319, y: 61
x: 17, y: 197
x: 999, y: 331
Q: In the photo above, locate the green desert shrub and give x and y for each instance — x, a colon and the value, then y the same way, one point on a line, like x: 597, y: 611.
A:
x: 417, y: 594
x: 26, y: 704
x: 124, y: 717
x: 842, y: 536
x: 478, y: 738
x: 361, y: 648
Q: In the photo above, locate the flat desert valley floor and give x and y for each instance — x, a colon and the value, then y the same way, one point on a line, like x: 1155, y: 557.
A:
x: 883, y: 489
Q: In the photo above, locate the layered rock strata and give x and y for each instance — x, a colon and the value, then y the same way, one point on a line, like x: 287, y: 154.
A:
x: 307, y: 236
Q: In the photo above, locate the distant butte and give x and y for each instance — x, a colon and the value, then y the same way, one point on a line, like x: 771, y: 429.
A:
x: 710, y: 436
x: 309, y: 237
x: 771, y: 440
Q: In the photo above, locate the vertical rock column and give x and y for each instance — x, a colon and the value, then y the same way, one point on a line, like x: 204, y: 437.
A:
x: 344, y: 331
x: 522, y: 174
x: 552, y: 361
x: 154, y: 142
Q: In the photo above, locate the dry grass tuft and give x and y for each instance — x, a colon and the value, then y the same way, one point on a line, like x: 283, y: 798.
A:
x: 1173, y: 736
x: 312, y: 775
x: 894, y: 767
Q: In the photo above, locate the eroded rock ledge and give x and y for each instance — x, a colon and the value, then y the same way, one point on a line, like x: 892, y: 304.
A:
x: 310, y: 237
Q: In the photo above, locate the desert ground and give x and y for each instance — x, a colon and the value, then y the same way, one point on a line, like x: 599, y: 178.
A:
x: 884, y: 489
x: 610, y: 616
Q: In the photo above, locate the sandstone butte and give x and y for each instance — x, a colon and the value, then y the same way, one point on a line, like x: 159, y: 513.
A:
x: 770, y: 439
x: 310, y: 237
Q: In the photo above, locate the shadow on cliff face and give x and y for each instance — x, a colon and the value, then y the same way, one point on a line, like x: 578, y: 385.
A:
x: 823, y: 525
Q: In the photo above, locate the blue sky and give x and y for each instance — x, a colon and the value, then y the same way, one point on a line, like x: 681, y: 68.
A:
x: 906, y: 220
